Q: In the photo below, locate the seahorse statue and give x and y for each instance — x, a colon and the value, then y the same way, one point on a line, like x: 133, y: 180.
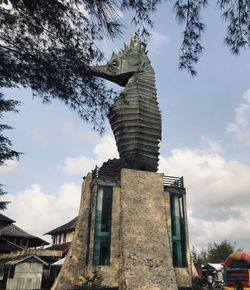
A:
x: 134, y: 116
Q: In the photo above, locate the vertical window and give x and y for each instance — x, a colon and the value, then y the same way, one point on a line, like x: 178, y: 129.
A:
x: 103, y: 218
x: 64, y: 237
x: 11, y: 272
x: 178, y: 231
x: 1, y: 271
x: 88, y: 236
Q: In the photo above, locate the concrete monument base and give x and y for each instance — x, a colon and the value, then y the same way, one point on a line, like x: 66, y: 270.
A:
x: 141, y: 256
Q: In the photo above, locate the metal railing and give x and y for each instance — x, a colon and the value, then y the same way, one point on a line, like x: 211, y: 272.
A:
x: 113, y: 175
x: 107, y: 174
x: 173, y: 181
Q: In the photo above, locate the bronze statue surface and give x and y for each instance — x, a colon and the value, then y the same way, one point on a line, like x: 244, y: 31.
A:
x: 134, y: 116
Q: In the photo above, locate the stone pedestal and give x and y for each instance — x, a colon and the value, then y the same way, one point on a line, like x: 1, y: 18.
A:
x: 141, y: 240
x: 145, y: 246
x: 75, y: 261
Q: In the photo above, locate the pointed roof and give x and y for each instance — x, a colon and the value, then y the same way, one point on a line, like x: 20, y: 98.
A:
x: 68, y: 227
x: 59, y: 262
x: 14, y: 231
x: 214, y: 266
x: 64, y: 247
x: 4, y: 220
x: 24, y: 258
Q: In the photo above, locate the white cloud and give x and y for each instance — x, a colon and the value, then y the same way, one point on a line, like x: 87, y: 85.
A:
x: 79, y: 164
x: 217, y: 193
x: 214, y: 146
x: 159, y: 38
x: 204, y: 232
x: 43, y: 137
x: 70, y: 131
x: 38, y: 212
x: 157, y: 41
x: 240, y: 127
x: 104, y: 150
x: 10, y: 167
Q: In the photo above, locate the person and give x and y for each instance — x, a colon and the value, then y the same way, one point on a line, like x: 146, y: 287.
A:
x: 238, y: 285
x: 219, y: 279
x: 210, y: 281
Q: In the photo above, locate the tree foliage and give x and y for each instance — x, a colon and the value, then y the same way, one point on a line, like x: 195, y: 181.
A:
x: 6, y: 151
x: 48, y: 45
x: 216, y: 252
x: 235, y: 13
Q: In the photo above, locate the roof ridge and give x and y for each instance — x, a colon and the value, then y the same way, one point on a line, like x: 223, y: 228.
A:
x: 67, y: 226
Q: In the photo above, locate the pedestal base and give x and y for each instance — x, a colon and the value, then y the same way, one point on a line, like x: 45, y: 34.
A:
x: 141, y: 240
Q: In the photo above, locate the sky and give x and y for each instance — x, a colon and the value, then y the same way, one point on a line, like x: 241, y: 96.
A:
x: 205, y: 139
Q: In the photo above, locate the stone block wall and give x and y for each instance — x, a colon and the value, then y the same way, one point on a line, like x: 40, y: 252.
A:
x: 141, y: 247
x: 75, y: 261
x: 145, y: 246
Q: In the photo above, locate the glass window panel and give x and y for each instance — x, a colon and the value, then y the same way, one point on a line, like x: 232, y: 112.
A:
x: 103, y: 223
x: 178, y: 231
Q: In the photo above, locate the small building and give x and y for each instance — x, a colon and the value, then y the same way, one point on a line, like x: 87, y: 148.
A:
x: 23, y: 273
x: 15, y: 244
x: 211, y: 268
x: 63, y: 234
x: 61, y: 237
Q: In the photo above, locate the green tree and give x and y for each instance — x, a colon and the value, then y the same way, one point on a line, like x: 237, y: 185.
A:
x: 199, y: 256
x: 216, y: 252
x: 48, y: 45
x: 6, y: 151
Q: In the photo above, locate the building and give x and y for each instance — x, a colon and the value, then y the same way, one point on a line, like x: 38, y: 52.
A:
x: 62, y: 236
x: 13, y: 238
x: 64, y: 233
x: 4, y: 221
x: 21, y: 252
x: 24, y: 273
x: 20, y: 238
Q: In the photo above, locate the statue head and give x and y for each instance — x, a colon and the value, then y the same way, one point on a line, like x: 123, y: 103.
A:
x: 123, y: 65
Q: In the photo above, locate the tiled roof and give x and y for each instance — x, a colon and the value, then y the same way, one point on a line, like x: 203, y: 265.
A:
x: 5, y: 220
x: 60, y: 247
x: 14, y: 231
x: 59, y: 262
x: 24, y: 258
x: 68, y: 227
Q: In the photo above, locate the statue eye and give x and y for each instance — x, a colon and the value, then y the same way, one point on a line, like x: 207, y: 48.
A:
x: 114, y: 63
